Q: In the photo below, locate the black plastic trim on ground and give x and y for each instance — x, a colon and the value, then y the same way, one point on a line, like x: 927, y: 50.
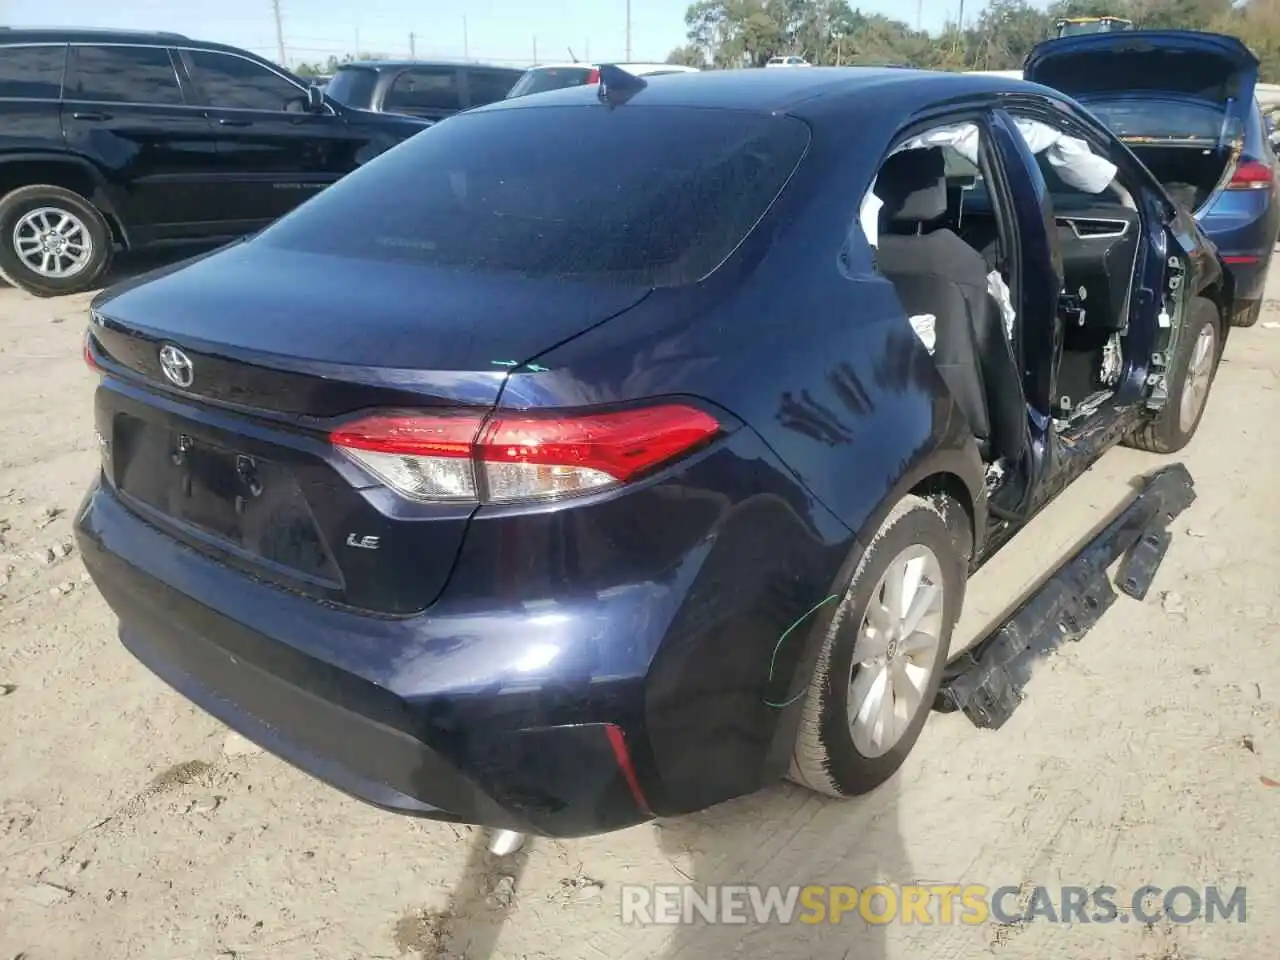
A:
x: 987, y: 681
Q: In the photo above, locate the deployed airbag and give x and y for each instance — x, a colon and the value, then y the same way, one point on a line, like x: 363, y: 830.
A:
x: 1071, y: 158
x: 1075, y: 164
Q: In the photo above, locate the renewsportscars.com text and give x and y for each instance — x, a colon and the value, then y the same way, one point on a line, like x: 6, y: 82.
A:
x: 927, y: 904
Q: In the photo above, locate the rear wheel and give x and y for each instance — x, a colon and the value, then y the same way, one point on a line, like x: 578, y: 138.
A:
x: 52, y: 241
x: 882, y: 660
x: 1248, y: 316
x: 1190, y: 378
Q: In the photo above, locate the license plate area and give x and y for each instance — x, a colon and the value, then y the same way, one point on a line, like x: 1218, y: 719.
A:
x: 244, y: 503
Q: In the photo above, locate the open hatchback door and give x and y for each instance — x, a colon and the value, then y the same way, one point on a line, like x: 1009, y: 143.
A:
x: 1178, y: 98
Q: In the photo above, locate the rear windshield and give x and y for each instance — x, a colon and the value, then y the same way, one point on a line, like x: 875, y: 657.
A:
x: 550, y: 78
x: 353, y: 86
x: 657, y: 195
x: 1162, y: 119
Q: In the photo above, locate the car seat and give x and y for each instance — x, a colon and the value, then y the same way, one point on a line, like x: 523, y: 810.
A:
x: 935, y: 272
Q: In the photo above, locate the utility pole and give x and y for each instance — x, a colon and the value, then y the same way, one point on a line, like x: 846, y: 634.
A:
x: 628, y: 31
x: 919, y: 15
x: 356, y: 52
x: 275, y: 12
x: 466, y: 46
x: 535, y: 51
x: 962, y: 15
x: 413, y: 47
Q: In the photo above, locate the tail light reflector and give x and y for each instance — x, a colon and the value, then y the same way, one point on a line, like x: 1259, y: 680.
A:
x: 1252, y: 175
x: 593, y: 76
x: 518, y: 457
x: 89, y: 361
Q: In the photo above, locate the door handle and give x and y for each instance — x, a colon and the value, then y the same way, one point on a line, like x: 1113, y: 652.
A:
x: 87, y: 115
x: 227, y: 122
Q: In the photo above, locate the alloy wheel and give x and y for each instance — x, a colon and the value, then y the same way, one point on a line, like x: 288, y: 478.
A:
x: 896, y: 651
x: 53, y: 242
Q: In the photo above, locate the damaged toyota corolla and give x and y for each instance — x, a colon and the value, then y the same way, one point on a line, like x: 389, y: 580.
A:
x: 611, y: 453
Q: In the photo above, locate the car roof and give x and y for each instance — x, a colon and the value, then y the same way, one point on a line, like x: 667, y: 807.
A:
x: 401, y: 64
x: 794, y: 91
x: 20, y: 35
x: 87, y: 35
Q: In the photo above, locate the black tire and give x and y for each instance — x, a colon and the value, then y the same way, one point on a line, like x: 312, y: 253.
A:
x: 1248, y: 316
x: 17, y: 204
x: 1165, y: 432
x: 826, y: 758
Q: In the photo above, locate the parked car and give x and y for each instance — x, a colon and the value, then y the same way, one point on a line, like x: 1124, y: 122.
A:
x: 136, y: 139
x: 775, y: 62
x: 557, y: 76
x: 431, y: 91
x: 1184, y: 103
x: 575, y: 463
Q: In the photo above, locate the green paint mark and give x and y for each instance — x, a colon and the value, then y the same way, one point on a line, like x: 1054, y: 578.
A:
x: 778, y: 646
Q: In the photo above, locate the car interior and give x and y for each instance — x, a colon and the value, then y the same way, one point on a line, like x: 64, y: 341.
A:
x: 939, y: 243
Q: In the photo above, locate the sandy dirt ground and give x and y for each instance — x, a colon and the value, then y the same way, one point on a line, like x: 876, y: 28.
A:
x: 134, y: 826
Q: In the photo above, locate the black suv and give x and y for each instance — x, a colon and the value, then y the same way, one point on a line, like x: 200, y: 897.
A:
x: 418, y: 88
x: 136, y: 139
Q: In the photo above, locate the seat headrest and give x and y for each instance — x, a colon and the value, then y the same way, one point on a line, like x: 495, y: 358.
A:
x: 913, y: 186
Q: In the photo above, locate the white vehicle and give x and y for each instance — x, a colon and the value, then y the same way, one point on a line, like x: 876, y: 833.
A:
x: 787, y: 62
x: 557, y: 76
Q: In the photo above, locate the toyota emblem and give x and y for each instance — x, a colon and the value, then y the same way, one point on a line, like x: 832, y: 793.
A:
x: 176, y: 366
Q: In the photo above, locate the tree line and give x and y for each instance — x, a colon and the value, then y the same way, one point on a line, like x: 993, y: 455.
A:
x: 744, y: 33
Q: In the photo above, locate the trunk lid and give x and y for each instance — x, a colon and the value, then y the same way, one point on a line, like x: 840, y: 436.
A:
x: 1205, y: 69
x: 267, y: 351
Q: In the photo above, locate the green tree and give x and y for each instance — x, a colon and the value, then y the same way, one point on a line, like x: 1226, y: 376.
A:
x: 688, y: 55
x: 739, y: 33
x: 1006, y: 32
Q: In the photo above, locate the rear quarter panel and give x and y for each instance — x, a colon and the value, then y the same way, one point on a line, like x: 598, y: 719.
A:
x: 813, y: 352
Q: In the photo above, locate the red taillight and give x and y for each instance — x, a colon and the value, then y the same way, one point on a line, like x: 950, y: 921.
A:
x: 507, y: 458
x: 593, y: 76
x: 1252, y: 175
x: 90, y: 362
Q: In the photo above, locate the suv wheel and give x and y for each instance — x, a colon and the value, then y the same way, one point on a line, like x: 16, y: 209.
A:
x: 884, y: 653
x: 52, y: 241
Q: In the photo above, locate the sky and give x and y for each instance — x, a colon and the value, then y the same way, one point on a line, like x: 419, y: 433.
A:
x: 500, y: 31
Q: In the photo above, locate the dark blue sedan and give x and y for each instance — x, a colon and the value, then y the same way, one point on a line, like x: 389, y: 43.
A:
x: 614, y: 452
x: 1184, y: 103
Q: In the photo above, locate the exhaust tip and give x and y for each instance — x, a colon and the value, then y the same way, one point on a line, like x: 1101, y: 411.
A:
x: 505, y: 842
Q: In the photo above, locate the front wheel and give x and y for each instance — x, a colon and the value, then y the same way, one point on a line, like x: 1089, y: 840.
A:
x: 52, y: 241
x: 882, y: 660
x: 1189, y: 378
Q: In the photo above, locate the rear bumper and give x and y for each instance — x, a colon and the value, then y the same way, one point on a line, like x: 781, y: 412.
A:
x: 1250, y: 277
x: 1245, y: 238
x: 358, y: 722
